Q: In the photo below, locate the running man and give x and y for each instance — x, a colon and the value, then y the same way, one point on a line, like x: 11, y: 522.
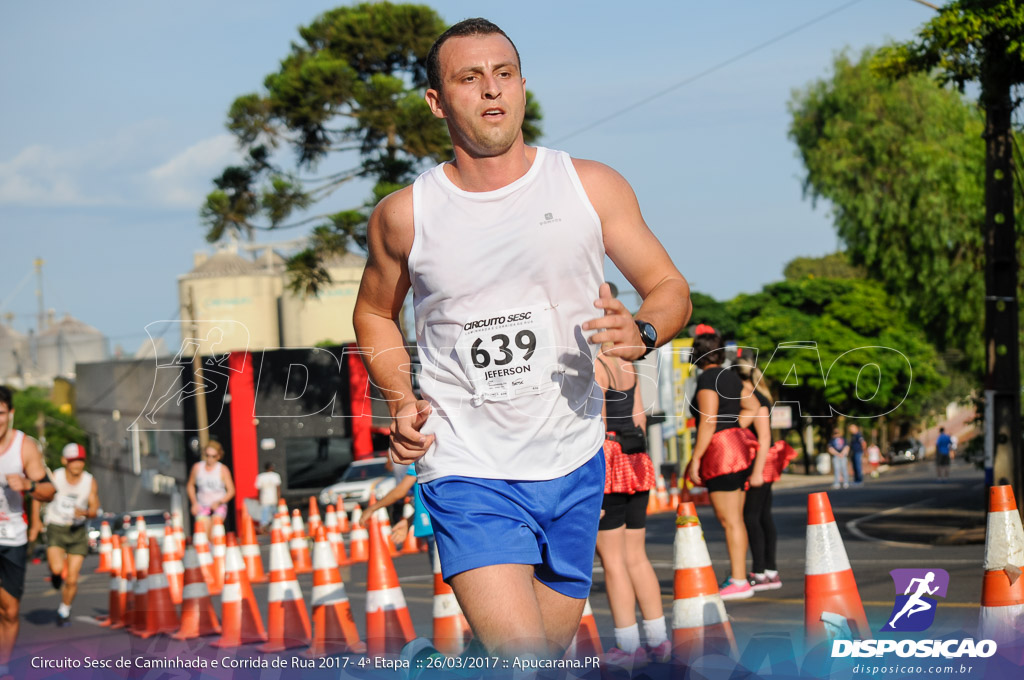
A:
x: 915, y: 604
x: 503, y: 248
x: 21, y: 471
x: 67, y: 535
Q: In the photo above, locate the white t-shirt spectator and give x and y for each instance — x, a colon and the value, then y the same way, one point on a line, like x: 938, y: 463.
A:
x: 268, y: 483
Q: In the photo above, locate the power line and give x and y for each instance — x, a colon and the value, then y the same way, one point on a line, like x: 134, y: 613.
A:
x: 708, y: 71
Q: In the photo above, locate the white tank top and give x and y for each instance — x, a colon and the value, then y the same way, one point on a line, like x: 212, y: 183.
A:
x: 69, y: 497
x: 209, y: 485
x: 13, y: 528
x: 502, y: 281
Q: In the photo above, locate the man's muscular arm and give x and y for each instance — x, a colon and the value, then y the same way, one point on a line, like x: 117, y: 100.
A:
x: 36, y: 479
x: 641, y: 259
x: 381, y: 294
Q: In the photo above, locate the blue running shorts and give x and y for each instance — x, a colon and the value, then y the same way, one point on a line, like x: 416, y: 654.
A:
x: 550, y: 524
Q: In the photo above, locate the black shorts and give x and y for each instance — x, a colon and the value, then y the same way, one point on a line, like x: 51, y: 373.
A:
x: 941, y: 461
x: 624, y: 508
x: 734, y: 481
x: 12, y: 569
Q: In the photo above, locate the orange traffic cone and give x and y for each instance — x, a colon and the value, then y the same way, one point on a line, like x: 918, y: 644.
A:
x: 118, y: 587
x: 586, y: 642
x: 357, y: 516
x: 334, y: 629
x: 161, y: 615
x: 358, y: 544
x: 128, y: 576
x: 179, y: 532
x: 663, y: 501
x: 411, y: 544
x: 652, y: 502
x: 1002, y: 590
x: 106, y: 550
x: 388, y: 624
x: 241, y: 622
x: 313, y: 518
x: 202, y: 545
x: 342, y: 518
x: 334, y: 536
x: 299, y: 545
x: 832, y: 605
x: 285, y: 519
x: 173, y: 568
x: 451, y: 629
x: 218, y: 550
x: 198, y: 617
x: 287, y: 620
x: 699, y: 622
x: 140, y: 620
x: 250, y: 550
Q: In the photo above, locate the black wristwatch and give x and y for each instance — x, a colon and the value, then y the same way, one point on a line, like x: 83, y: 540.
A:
x: 649, y: 334
x: 32, y: 486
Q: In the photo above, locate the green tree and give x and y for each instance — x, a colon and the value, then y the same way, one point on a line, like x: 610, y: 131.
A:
x: 831, y: 266
x: 982, y: 41
x: 707, y: 309
x: 867, y: 361
x: 32, y: 406
x: 351, y: 89
x: 901, y: 163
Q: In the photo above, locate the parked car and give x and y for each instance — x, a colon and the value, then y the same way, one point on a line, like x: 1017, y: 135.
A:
x: 155, y: 520
x: 905, y: 451
x: 358, y: 480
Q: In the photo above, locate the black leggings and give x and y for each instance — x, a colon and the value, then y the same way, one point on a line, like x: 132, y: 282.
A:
x: 757, y: 515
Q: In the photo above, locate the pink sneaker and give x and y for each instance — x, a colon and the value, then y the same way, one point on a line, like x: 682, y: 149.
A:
x: 774, y: 582
x: 731, y: 589
x: 661, y: 653
x: 759, y: 582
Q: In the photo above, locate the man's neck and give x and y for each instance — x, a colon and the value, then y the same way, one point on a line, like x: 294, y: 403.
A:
x: 478, y: 174
x: 6, y: 439
x: 72, y: 477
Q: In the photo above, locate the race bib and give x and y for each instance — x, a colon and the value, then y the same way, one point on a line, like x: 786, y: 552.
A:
x: 66, y: 508
x: 509, y: 354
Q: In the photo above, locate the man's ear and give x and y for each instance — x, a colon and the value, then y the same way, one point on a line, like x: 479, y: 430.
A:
x: 433, y: 98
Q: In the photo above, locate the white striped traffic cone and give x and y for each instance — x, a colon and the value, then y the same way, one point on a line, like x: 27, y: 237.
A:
x: 287, y: 619
x: 699, y: 622
x: 832, y: 605
x: 334, y: 629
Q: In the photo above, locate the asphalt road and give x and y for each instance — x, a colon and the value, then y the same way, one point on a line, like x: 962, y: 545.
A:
x: 902, y: 519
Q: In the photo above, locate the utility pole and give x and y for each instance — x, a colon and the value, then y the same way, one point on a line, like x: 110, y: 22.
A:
x: 202, y: 420
x: 1002, y: 323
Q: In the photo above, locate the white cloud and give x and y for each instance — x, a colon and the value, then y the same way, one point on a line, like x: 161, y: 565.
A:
x: 131, y: 168
x: 184, y: 180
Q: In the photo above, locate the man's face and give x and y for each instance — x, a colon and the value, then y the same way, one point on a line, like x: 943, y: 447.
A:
x: 483, y: 93
x: 75, y: 467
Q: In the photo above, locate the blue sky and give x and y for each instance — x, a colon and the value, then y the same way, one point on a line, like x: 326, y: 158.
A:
x: 113, y: 117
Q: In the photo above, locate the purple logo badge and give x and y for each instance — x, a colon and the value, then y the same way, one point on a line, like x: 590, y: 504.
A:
x: 914, y: 609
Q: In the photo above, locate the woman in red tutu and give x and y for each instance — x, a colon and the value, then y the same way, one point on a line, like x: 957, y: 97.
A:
x: 724, y: 455
x: 757, y: 506
x: 629, y: 477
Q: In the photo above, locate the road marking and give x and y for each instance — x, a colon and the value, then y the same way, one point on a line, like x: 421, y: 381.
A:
x: 853, y: 528
x: 89, y: 620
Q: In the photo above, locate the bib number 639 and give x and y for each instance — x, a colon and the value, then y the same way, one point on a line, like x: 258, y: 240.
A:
x: 524, y: 340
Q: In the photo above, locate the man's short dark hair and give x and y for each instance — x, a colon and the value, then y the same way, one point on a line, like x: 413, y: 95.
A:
x: 466, y: 27
x: 268, y: 466
x: 7, y: 397
x: 708, y: 349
